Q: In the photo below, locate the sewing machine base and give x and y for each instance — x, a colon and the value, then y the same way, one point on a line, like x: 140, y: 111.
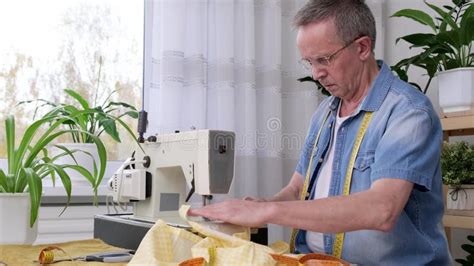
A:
x: 121, y: 231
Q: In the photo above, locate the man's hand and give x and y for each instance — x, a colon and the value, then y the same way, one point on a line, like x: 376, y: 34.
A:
x: 242, y: 212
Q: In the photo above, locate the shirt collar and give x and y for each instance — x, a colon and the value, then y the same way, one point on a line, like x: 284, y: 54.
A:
x: 377, y: 92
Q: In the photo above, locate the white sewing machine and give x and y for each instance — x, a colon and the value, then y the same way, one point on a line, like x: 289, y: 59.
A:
x: 173, y: 167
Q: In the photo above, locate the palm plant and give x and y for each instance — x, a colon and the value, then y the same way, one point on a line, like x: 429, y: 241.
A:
x: 448, y: 46
x: 29, y: 162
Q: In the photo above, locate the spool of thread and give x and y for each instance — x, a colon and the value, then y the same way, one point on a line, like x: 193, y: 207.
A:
x: 46, y: 255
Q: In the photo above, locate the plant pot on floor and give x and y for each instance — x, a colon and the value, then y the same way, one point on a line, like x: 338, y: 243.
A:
x: 461, y: 198
x: 85, y: 159
x: 15, y: 219
x: 456, y: 91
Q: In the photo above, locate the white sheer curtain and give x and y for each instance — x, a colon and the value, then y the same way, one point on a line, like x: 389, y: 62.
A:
x: 231, y: 65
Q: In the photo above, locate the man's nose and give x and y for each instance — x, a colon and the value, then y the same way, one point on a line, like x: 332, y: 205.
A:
x: 318, y: 72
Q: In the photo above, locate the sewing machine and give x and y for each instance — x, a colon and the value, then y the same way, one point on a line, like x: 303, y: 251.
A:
x: 171, y: 169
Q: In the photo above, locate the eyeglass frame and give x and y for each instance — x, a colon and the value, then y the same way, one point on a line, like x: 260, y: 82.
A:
x: 309, y: 63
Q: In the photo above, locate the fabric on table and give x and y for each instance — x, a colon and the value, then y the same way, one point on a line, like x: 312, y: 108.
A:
x: 26, y: 254
x: 221, y: 244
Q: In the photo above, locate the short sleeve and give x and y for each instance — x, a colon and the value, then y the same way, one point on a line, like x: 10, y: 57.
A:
x: 410, y: 148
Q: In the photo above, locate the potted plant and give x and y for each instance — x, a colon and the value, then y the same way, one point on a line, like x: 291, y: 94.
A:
x: 446, y: 53
x: 469, y: 260
x: 28, y: 163
x: 86, y: 122
x: 457, y: 164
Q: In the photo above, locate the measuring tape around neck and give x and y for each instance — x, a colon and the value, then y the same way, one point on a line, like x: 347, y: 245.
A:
x: 304, y: 191
x: 337, y: 250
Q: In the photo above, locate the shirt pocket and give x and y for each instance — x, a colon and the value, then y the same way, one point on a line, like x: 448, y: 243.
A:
x: 364, y: 160
x: 361, y: 180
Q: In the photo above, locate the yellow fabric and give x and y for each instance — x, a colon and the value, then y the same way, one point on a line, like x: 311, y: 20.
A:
x: 25, y: 254
x: 165, y: 245
x: 221, y: 244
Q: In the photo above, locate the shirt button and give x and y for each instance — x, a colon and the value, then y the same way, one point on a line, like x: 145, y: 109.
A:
x: 330, y: 125
x: 320, y: 160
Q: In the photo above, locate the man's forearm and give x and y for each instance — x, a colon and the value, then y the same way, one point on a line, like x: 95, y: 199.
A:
x: 287, y: 194
x: 372, y: 209
x: 329, y: 215
x: 377, y: 209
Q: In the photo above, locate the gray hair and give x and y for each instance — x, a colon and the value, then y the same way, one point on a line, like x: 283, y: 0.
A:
x: 352, y: 18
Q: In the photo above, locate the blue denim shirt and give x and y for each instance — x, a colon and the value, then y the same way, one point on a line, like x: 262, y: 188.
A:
x: 403, y: 141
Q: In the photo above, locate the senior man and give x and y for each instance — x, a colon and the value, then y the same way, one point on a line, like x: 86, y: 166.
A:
x: 369, y: 174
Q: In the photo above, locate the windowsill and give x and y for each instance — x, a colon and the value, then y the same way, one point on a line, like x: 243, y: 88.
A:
x: 80, y: 195
x: 81, y: 191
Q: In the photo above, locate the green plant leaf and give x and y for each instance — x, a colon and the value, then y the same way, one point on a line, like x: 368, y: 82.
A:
x: 416, y: 86
x: 78, y: 97
x: 43, y: 142
x: 418, y: 39
x: 28, y: 136
x: 110, y: 127
x: 66, y: 151
x: 132, y: 114
x: 70, y: 153
x: 103, y: 160
x: 35, y: 187
x: 3, y: 181
x: 463, y: 262
x: 447, y: 19
x: 460, y: 3
x: 402, y: 73
x: 470, y: 238
x: 450, y: 37
x: 449, y: 8
x: 109, y: 96
x: 468, y: 248
x: 451, y: 64
x: 65, y: 179
x: 418, y: 16
x: 83, y: 171
x: 131, y: 133
x: 468, y: 12
x: 10, y: 135
x: 467, y: 31
x: 122, y: 104
x: 318, y: 84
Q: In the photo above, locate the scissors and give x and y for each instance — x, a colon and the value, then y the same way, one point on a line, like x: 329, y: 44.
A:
x: 110, y: 257
x: 117, y: 256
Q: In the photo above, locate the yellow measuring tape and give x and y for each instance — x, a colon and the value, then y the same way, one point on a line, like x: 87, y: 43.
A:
x: 337, y: 250
x: 304, y: 190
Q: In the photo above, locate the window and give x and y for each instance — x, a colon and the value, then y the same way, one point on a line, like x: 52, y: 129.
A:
x: 93, y: 47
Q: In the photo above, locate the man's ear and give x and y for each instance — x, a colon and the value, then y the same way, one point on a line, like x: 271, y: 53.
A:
x: 364, y: 47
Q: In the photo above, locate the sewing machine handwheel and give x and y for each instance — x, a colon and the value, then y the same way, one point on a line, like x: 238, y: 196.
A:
x: 147, y: 162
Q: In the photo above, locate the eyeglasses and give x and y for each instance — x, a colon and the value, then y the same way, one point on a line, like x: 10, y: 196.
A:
x: 323, y: 61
